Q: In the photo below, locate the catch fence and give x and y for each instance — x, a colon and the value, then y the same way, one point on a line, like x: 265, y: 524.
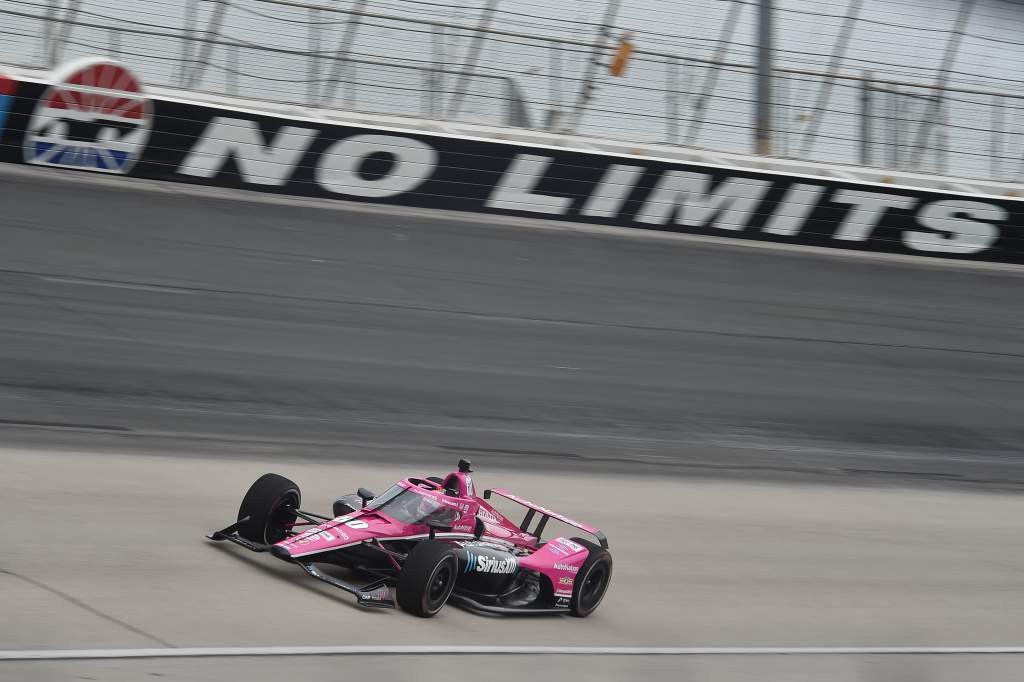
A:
x: 921, y: 85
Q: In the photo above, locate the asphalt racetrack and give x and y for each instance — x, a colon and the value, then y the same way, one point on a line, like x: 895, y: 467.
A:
x: 785, y: 449
x: 275, y: 327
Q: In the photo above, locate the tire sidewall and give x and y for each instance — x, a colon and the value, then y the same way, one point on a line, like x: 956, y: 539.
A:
x: 597, y: 557
x: 261, y: 503
x: 418, y: 573
x: 451, y: 561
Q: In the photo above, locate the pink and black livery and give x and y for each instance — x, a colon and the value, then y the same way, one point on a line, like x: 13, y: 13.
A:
x: 433, y: 540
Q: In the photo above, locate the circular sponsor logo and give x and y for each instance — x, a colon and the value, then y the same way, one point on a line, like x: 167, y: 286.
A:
x: 94, y: 117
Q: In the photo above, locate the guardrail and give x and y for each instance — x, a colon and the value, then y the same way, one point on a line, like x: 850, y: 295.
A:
x: 95, y: 116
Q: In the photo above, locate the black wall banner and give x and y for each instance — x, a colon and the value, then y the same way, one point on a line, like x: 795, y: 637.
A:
x: 225, y: 147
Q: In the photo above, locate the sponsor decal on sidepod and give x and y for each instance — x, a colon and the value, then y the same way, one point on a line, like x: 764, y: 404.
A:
x: 485, y: 564
x: 574, y: 546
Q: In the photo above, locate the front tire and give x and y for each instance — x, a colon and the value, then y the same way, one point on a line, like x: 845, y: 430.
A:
x: 267, y: 504
x: 591, y: 582
x: 427, y: 578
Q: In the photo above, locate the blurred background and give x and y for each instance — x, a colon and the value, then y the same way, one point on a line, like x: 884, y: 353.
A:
x: 921, y: 85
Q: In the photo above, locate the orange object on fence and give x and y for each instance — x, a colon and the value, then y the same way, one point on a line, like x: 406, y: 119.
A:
x: 618, y: 66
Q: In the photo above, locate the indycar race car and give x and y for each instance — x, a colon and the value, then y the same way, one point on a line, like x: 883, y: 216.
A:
x: 434, y: 541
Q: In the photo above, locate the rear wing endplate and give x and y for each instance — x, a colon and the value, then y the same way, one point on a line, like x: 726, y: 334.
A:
x: 545, y: 513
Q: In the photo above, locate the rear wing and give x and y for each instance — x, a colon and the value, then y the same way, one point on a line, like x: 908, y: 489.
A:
x: 545, y: 515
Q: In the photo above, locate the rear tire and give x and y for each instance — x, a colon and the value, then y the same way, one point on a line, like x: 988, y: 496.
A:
x: 265, y: 504
x: 427, y: 578
x: 592, y: 581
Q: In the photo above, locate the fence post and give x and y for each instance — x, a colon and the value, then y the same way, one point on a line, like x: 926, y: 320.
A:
x: 590, y: 71
x: 341, y: 57
x: 212, y: 35
x: 894, y: 128
x: 942, y: 153
x: 553, y: 114
x: 996, y: 152
x: 765, y: 52
x: 934, y: 104
x: 313, y: 71
x: 838, y: 52
x: 115, y: 43
x: 711, y: 80
x: 866, y: 103
x: 672, y: 103
x: 472, y: 56
x: 62, y: 36
x: 232, y: 69
x: 188, y: 30
x: 782, y: 105
x: 49, y: 30
x: 436, y: 71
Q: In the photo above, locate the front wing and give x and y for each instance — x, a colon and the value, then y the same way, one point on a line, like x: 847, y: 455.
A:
x: 376, y: 594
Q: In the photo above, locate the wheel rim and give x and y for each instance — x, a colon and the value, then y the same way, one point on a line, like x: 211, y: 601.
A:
x: 594, y: 585
x: 442, y: 580
x: 280, y: 515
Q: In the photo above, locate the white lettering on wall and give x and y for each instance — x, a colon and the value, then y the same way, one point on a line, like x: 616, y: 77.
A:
x: 956, y: 234
x: 868, y: 210
x: 258, y: 163
x: 610, y: 194
x: 515, y: 190
x: 686, y: 195
x: 792, y: 212
x: 413, y: 163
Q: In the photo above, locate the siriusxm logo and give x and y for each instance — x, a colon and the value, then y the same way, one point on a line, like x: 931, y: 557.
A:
x: 486, y: 564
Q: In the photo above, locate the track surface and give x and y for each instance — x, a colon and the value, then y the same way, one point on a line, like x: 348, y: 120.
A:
x: 516, y: 668
x: 159, y: 350
x: 697, y: 563
x: 158, y: 316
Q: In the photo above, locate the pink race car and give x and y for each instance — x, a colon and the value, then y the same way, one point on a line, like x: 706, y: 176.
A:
x: 434, y: 540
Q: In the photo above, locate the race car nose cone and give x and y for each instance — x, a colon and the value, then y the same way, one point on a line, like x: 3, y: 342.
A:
x: 280, y: 552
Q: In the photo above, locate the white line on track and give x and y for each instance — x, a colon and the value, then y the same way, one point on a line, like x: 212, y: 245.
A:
x: 71, y: 654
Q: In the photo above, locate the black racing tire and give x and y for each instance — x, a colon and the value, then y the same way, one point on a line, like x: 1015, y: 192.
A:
x: 427, y: 578
x: 265, y: 504
x: 592, y: 581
